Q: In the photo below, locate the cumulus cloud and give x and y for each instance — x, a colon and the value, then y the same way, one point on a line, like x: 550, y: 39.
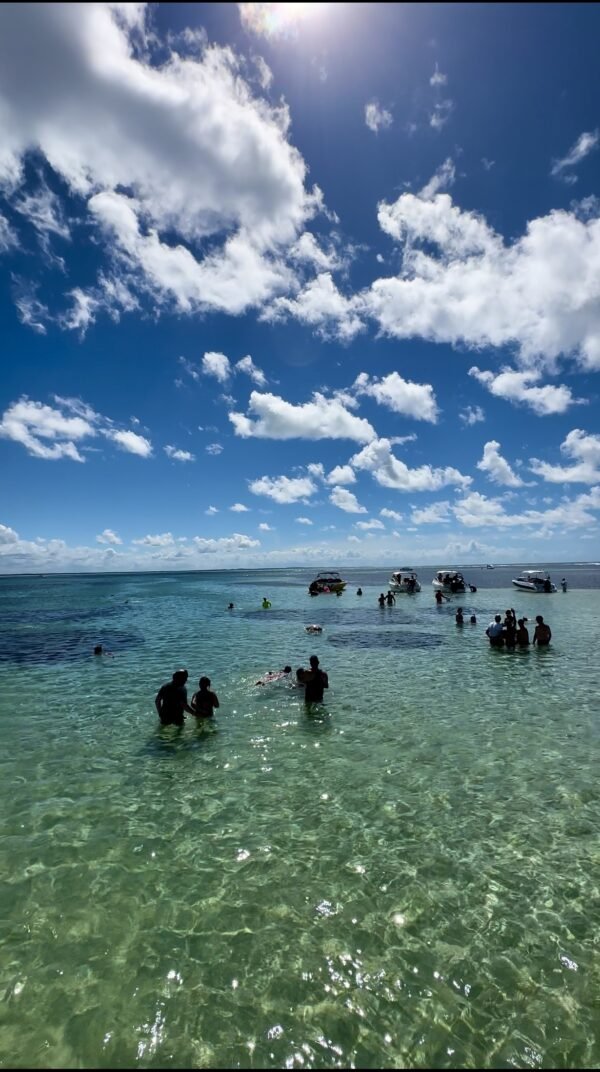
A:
x: 215, y: 193
x: 585, y: 144
x: 472, y: 415
x: 376, y: 117
x: 303, y: 521
x: 284, y: 489
x: 236, y: 542
x: 345, y: 500
x: 441, y: 180
x: 217, y: 365
x: 214, y: 449
x: 247, y: 366
x: 54, y: 432
x: 438, y: 78
x: 437, y: 513
x: 517, y: 387
x: 166, y: 539
x: 263, y: 527
x: 476, y: 510
x: 322, y: 306
x: 108, y: 536
x: 442, y: 110
x: 461, y: 283
x: 497, y: 468
x: 179, y: 455
x: 239, y: 508
x: 402, y: 396
x: 211, y: 511
x: 323, y: 418
x: 392, y: 514
x: 584, y: 451
x: 368, y: 525
x: 341, y: 474
x: 377, y: 459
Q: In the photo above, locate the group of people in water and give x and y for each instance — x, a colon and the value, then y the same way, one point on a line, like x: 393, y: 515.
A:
x: 513, y: 631
x: 171, y: 700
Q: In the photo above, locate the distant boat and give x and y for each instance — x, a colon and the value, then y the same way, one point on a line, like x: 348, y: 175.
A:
x: 404, y: 580
x: 326, y: 582
x: 534, y: 581
x: 489, y: 566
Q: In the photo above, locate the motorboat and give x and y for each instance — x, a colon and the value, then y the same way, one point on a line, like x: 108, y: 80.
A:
x: 450, y: 581
x: 404, y: 580
x: 326, y: 582
x: 489, y: 566
x: 534, y: 580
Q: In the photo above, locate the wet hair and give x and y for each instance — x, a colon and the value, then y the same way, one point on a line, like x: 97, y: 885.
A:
x: 98, y: 649
x: 498, y: 618
x: 204, y: 682
x: 180, y: 677
x: 314, y: 660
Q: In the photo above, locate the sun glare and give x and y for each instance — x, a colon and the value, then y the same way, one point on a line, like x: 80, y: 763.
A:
x: 274, y: 19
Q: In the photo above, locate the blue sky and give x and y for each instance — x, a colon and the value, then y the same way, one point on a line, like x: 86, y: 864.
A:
x: 298, y: 284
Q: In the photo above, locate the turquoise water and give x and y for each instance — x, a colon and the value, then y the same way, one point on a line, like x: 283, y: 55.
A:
x: 407, y: 876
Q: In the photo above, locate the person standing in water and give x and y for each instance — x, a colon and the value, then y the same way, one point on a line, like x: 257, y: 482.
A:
x: 543, y: 633
x: 315, y: 681
x: 204, y: 702
x: 171, y: 700
x: 381, y: 600
x: 439, y: 598
x: 265, y: 603
x: 390, y: 598
x: 563, y: 584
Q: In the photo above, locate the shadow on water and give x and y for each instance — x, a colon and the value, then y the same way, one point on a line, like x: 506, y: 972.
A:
x: 331, y: 615
x: 35, y: 616
x: 387, y: 639
x: 167, y: 742
x: 24, y: 647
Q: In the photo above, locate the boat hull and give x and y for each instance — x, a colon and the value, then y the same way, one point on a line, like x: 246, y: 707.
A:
x: 395, y: 588
x: 527, y: 586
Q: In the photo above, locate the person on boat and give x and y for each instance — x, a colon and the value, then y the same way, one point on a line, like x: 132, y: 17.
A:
x: 522, y: 635
x: 458, y: 617
x: 563, y: 584
x: 439, y: 597
x: 171, y: 700
x: 315, y: 681
x: 390, y: 599
x: 495, y: 633
x: 265, y: 603
x: 542, y: 633
x: 204, y: 701
x: 359, y: 591
x: 381, y: 600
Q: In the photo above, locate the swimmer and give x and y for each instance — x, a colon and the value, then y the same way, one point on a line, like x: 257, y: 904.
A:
x: 439, y: 598
x: 315, y: 681
x: 359, y: 591
x: 473, y: 619
x: 204, y: 701
x: 99, y: 650
x: 381, y: 600
x: 265, y: 603
x: 458, y: 617
x: 278, y: 675
x: 313, y: 628
x: 542, y: 634
x: 230, y: 607
x: 171, y: 700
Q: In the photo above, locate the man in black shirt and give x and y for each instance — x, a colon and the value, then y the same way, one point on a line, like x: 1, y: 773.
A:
x: 315, y: 682
x: 171, y: 700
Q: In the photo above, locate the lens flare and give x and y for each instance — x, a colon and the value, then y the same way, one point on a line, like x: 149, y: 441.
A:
x: 278, y: 20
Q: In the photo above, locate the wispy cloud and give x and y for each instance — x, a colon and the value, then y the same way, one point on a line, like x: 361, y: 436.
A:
x: 585, y: 144
x: 376, y: 117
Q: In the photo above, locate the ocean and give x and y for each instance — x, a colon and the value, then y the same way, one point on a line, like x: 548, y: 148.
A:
x: 406, y: 876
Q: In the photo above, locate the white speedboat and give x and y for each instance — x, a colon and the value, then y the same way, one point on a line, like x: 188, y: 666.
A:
x: 449, y: 581
x: 534, y: 580
x: 404, y: 580
x: 326, y: 582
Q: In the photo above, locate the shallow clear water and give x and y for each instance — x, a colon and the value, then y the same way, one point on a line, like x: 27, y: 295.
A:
x: 405, y: 877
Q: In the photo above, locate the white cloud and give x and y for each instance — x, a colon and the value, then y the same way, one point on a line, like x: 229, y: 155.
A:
x: 131, y: 442
x: 354, y: 539
x: 584, y: 450
x: 402, y: 396
x: 166, y: 539
x: 247, y: 366
x: 323, y: 418
x: 539, y: 294
x: 367, y: 525
x: 303, y: 521
x: 263, y: 527
x: 320, y: 305
x: 585, y: 143
x: 477, y: 510
x: 392, y: 514
x: 284, y: 489
x: 82, y: 312
x: 217, y: 365
x: 307, y: 249
x: 437, y: 78
x: 8, y: 535
x: 214, y: 449
x: 8, y: 237
x: 236, y: 542
x: 472, y: 415
x: 207, y: 164
x: 179, y: 455
x: 212, y: 510
x: 108, y: 536
x: 376, y: 117
x: 345, y: 500
x: 442, y: 110
x: 44, y: 212
x: 441, y: 180
x: 435, y: 514
x: 497, y: 467
x: 517, y: 387
x: 341, y: 474
x: 239, y: 508
x: 377, y: 459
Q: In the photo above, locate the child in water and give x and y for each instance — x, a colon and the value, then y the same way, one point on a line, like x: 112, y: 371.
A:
x: 204, y: 702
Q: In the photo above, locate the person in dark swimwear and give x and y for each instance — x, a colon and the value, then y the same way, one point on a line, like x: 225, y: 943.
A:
x: 381, y: 600
x: 522, y: 636
x: 543, y: 633
x: 315, y: 681
x: 390, y: 599
x: 171, y: 700
x: 204, y: 702
x: 359, y: 591
x: 509, y: 629
x: 439, y: 598
x: 458, y: 617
